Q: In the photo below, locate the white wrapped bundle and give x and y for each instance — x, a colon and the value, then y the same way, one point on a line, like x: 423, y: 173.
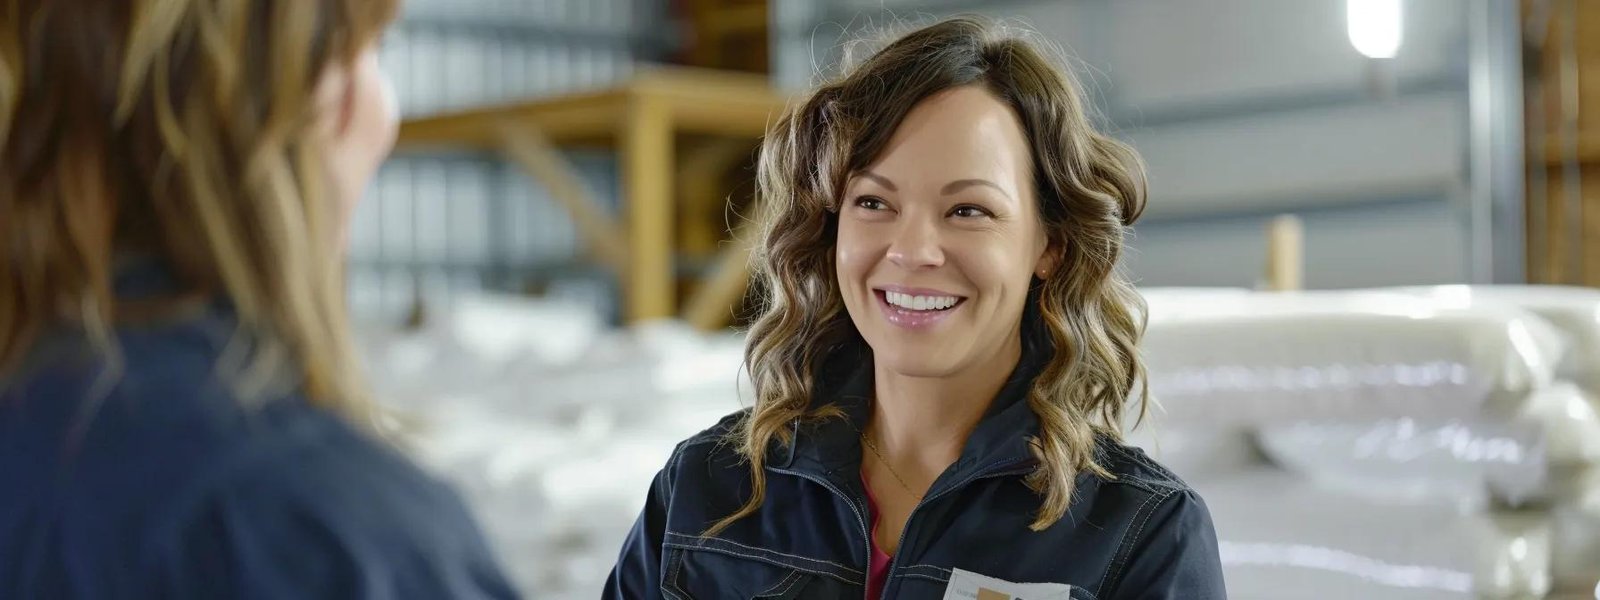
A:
x: 1402, y: 459
x: 500, y: 328
x: 1284, y: 536
x: 1574, y: 311
x: 1253, y: 358
x: 474, y: 346
x: 1408, y: 459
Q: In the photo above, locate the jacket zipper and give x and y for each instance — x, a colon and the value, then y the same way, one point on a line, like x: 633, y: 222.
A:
x: 1001, y: 470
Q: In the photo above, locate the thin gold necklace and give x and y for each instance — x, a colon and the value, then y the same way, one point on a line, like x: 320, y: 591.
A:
x: 874, y: 448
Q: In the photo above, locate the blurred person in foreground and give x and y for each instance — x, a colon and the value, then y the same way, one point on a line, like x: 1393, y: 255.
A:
x: 944, y: 358
x: 180, y: 410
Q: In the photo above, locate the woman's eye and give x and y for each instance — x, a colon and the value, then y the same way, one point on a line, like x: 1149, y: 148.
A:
x: 871, y: 203
x: 969, y: 211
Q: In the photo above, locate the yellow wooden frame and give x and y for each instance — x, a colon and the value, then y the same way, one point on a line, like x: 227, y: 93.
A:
x: 640, y: 120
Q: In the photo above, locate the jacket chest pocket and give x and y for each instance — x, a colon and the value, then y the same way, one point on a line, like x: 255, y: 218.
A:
x: 708, y: 568
x: 928, y: 581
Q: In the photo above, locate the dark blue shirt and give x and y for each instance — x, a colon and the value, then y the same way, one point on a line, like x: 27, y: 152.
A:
x: 1144, y: 535
x: 158, y: 482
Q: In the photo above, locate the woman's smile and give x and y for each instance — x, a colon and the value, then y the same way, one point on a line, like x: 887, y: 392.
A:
x: 916, y: 308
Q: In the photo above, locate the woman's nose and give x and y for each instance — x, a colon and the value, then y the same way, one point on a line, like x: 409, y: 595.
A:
x: 915, y: 245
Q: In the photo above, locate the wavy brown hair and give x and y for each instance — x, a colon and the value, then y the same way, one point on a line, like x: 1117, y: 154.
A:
x: 185, y: 130
x: 1090, y: 189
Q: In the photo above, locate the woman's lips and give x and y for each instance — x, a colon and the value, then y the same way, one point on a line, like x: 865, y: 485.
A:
x: 916, y: 320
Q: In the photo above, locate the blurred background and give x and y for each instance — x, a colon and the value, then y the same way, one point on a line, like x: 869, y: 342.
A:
x: 1370, y: 231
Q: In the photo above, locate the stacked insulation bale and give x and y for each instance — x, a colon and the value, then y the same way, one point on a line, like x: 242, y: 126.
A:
x: 1406, y: 438
x: 1572, y: 445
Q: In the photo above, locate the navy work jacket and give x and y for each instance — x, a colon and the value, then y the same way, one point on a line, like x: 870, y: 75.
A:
x: 1143, y: 535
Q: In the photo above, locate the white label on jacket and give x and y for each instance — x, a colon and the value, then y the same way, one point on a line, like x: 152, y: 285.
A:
x: 966, y: 585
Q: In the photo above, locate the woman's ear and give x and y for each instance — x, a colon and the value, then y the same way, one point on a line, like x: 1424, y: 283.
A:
x: 1049, y: 259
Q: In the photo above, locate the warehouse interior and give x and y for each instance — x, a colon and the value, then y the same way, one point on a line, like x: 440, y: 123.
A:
x: 1370, y: 251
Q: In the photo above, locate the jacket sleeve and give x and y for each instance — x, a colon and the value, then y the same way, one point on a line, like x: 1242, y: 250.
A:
x: 637, y: 574
x: 1172, y: 553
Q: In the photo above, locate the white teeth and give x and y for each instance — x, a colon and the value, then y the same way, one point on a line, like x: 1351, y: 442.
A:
x: 910, y: 302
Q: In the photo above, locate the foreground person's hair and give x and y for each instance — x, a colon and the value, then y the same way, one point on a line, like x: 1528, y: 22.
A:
x: 183, y: 130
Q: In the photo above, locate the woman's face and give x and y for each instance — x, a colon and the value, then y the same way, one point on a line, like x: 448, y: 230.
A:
x: 940, y: 237
x: 358, y: 111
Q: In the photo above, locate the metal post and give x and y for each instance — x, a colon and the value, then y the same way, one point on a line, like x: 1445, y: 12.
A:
x: 1496, y: 163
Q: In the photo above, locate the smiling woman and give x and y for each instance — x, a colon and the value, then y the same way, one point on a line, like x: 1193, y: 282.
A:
x: 943, y: 361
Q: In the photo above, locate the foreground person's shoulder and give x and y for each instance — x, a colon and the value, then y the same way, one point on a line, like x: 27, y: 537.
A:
x: 324, y: 511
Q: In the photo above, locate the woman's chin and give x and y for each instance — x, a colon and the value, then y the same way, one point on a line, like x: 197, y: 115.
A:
x: 921, y: 361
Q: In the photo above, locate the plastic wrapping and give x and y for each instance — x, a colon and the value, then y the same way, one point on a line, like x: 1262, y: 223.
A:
x: 1283, y: 536
x: 1514, y: 555
x: 1221, y: 356
x: 499, y: 328
x: 1409, y: 459
x: 1575, y: 532
x: 1390, y: 416
x: 1405, y: 460
x: 1574, y: 311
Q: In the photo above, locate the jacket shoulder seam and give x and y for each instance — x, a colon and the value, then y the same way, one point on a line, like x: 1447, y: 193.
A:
x: 1131, y: 537
x: 1164, y: 482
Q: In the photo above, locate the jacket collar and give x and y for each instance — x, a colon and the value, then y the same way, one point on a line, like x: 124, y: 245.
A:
x: 832, y: 447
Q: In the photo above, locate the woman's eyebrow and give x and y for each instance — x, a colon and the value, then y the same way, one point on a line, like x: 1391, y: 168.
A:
x: 879, y: 179
x: 961, y: 184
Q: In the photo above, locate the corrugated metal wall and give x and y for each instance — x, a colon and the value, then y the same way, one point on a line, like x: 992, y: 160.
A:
x: 440, y: 224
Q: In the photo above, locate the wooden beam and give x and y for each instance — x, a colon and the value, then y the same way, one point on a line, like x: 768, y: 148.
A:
x: 584, y: 118
x: 711, y: 307
x: 529, y: 148
x: 1589, y: 215
x: 1583, y: 116
x: 647, y: 177
x: 700, y: 100
x: 703, y: 192
x: 709, y: 83
x: 640, y: 119
x: 715, y: 102
x: 731, y: 119
x: 703, y: 50
x: 1588, y: 147
x: 742, y: 18
x: 1285, y: 254
x: 1563, y: 201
